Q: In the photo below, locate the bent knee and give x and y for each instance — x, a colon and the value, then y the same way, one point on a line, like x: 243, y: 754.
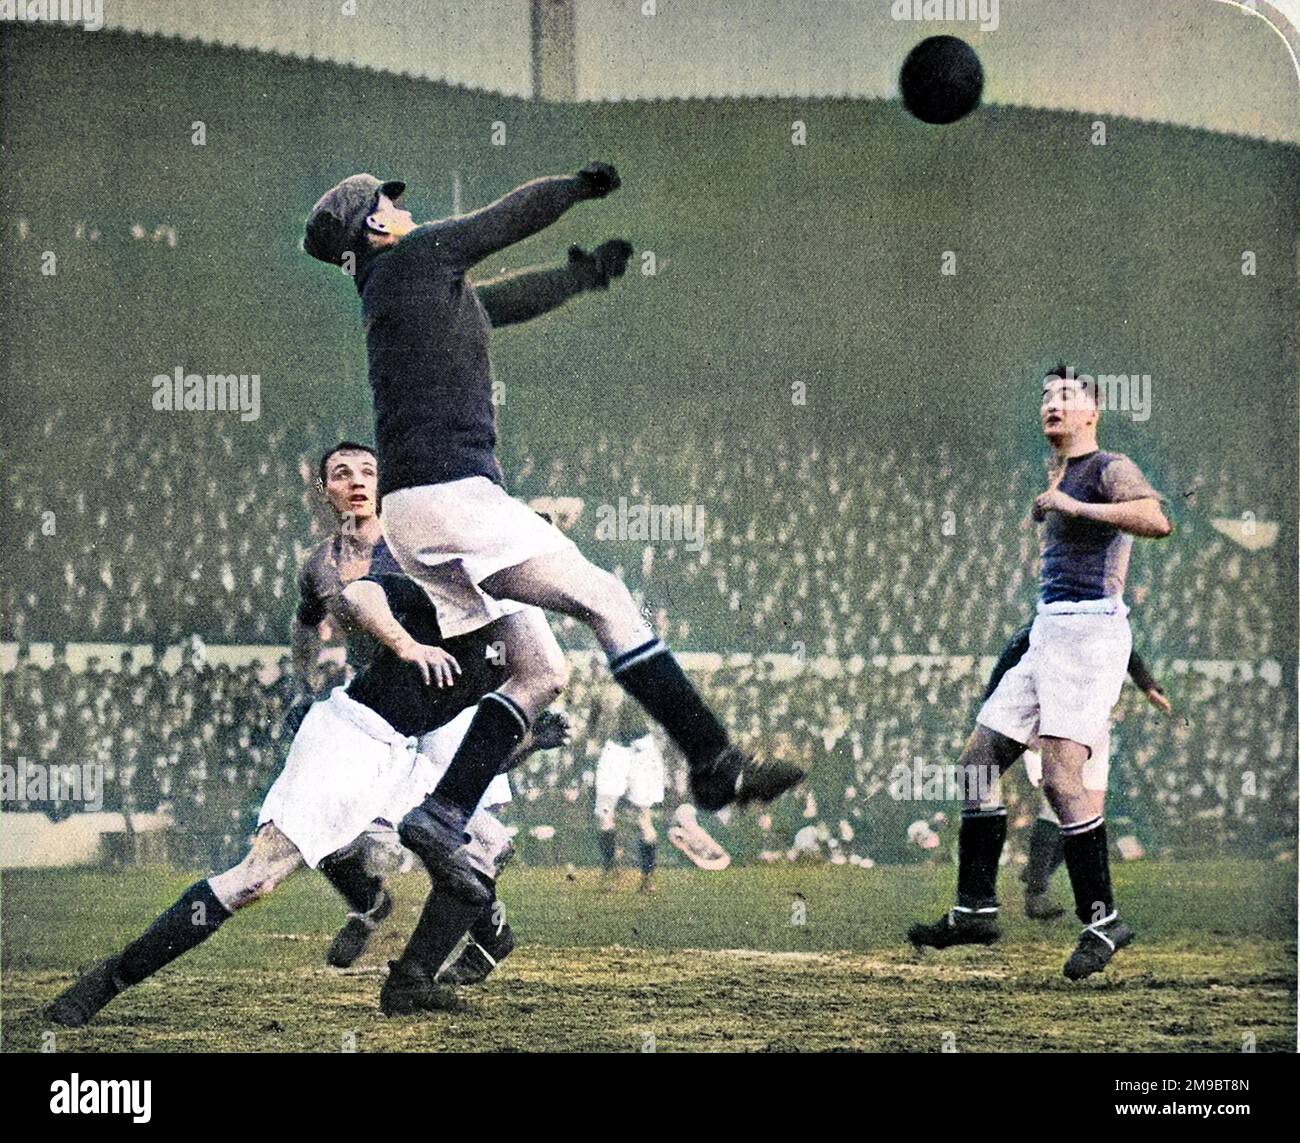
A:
x: 1061, y: 785
x: 550, y: 678
x: 602, y: 597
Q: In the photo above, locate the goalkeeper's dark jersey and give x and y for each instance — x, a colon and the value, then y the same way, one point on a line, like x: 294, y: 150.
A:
x: 427, y: 337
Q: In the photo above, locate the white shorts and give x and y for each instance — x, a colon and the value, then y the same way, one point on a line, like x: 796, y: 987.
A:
x: 346, y: 768
x: 450, y: 537
x: 350, y: 773
x: 635, y: 772
x: 1069, y: 680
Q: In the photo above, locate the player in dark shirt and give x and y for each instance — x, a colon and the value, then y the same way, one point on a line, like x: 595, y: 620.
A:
x: 1045, y: 850
x: 482, y: 556
x: 357, y: 746
x: 347, y: 476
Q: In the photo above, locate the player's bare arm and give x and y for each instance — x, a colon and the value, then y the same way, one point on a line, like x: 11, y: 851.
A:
x: 367, y: 607
x: 1143, y: 518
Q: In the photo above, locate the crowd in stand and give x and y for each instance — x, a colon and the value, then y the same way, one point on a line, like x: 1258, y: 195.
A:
x: 205, y: 742
x: 864, y: 557
x: 847, y: 551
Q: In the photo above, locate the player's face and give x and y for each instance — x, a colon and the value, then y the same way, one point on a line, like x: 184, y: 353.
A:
x: 350, y: 482
x: 389, y: 218
x: 1067, y: 408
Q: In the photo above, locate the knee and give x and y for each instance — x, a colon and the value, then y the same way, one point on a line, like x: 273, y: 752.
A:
x: 541, y: 683
x: 604, y: 596
x: 1061, y: 784
x: 551, y: 677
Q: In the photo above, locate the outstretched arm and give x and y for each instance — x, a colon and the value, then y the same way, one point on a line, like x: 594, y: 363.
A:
x: 468, y: 239
x: 526, y: 294
x: 367, y: 607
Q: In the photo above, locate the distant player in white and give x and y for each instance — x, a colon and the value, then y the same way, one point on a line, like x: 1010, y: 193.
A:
x: 630, y: 766
x: 1063, y: 689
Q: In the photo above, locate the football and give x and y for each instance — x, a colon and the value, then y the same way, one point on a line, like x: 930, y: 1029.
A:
x: 941, y: 80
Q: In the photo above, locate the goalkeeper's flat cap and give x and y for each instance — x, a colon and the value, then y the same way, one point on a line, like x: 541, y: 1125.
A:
x: 339, y: 216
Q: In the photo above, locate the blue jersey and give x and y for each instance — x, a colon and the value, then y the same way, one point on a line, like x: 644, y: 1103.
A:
x: 332, y: 565
x: 1086, y: 559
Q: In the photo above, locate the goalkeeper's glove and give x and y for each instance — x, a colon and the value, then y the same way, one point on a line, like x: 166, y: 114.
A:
x: 550, y: 729
x: 595, y: 268
x: 598, y: 180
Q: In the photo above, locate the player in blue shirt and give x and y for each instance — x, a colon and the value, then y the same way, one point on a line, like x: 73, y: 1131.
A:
x: 1063, y: 688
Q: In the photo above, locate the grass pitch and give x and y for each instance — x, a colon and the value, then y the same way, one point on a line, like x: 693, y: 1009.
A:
x: 753, y: 959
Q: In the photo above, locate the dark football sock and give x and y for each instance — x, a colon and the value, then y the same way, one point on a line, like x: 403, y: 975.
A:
x: 1088, y: 861
x: 1044, y: 855
x: 498, y: 726
x: 349, y: 875
x: 195, y: 916
x: 648, y: 854
x: 443, y: 921
x: 608, y: 849
x: 652, y: 676
x: 979, y: 845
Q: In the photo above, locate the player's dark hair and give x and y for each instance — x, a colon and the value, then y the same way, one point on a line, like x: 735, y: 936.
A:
x: 342, y: 446
x: 1070, y: 373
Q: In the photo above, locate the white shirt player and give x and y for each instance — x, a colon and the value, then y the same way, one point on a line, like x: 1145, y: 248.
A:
x: 635, y: 772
